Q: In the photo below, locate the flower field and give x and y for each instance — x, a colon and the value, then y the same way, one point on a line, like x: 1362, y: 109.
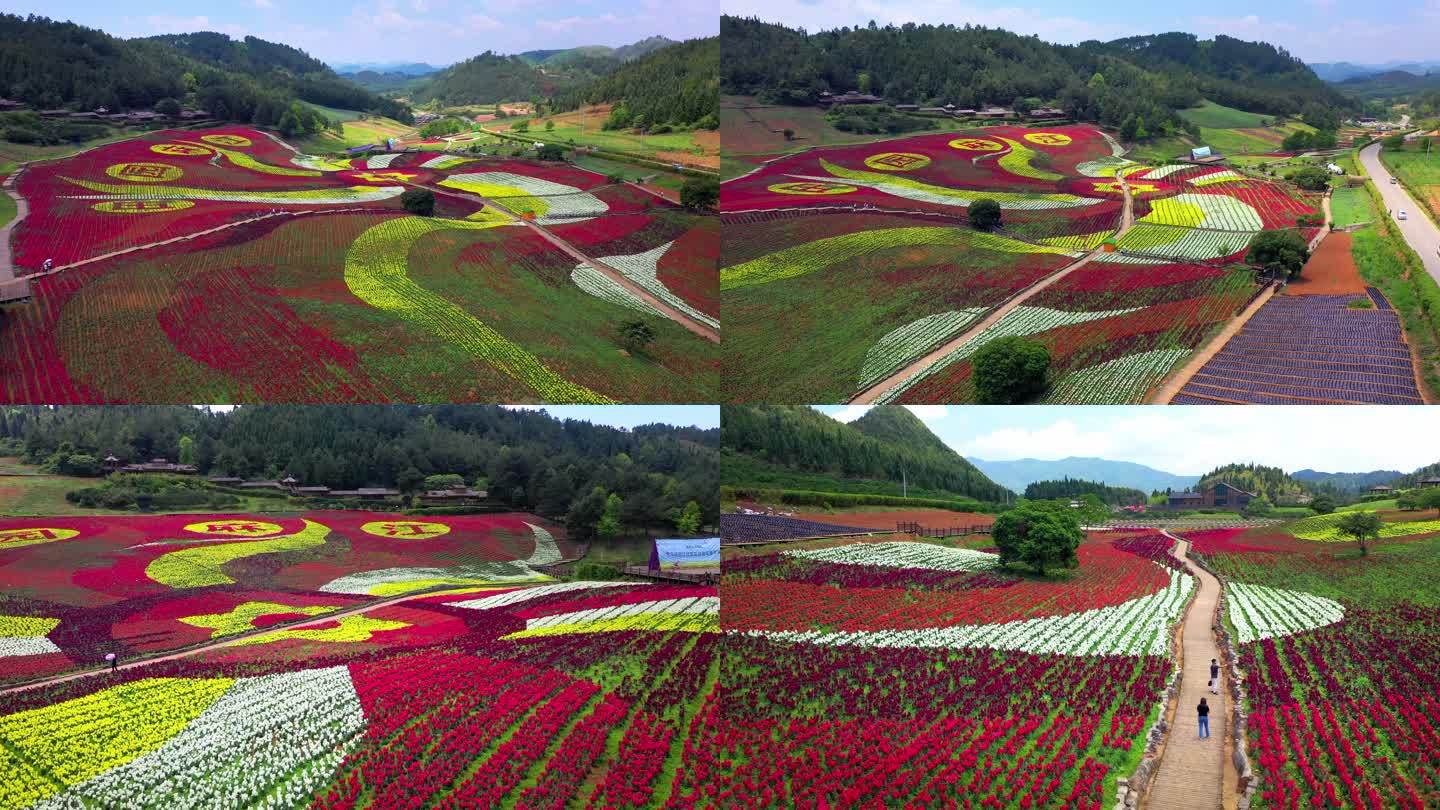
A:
x: 918, y: 675
x: 1340, y: 654
x: 73, y: 589
x: 488, y: 685
x: 318, y: 287
x: 862, y: 257
x: 1307, y: 349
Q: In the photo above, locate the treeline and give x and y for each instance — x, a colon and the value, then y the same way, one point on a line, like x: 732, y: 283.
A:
x: 1144, y: 78
x: 675, y: 86
x: 1271, y: 482
x: 1075, y: 487
x: 1414, y: 478
x: 527, y: 459
x: 50, y: 64
x: 484, y: 79
x: 803, y: 439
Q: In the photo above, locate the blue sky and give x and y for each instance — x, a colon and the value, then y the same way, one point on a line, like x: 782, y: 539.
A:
x: 435, y: 31
x: 1314, y: 30
x: 1190, y: 440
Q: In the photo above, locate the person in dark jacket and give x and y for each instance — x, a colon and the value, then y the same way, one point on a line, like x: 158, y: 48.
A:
x: 1214, y: 677
x: 1204, y: 711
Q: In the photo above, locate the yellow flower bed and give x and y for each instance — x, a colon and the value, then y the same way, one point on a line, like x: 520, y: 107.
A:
x: 200, y: 566
x: 243, y: 617
x: 376, y: 272
x: 1017, y: 161
x: 1326, y: 528
x: 48, y: 749
x: 654, y: 622
x: 351, y: 629
x: 26, y: 626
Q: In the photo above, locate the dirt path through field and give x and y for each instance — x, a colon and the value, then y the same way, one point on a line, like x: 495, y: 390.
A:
x: 703, y: 330
x: 228, y: 640
x: 22, y: 208
x: 1200, y: 358
x: 1331, y: 270
x: 1191, y: 775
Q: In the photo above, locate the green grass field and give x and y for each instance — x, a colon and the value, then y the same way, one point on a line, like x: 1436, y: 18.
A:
x: 1350, y: 206
x: 12, y: 154
x: 1215, y: 116
x: 663, y: 179
x: 335, y: 114
x: 356, y: 133
x: 1419, y: 171
x: 40, y: 494
x: 743, y: 137
x: 1370, y: 506
x: 7, y: 209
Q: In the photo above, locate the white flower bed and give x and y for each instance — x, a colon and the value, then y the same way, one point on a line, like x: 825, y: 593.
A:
x: 381, y: 161
x: 366, y: 583
x: 1165, y: 171
x: 562, y: 203
x: 1260, y: 612
x: 643, y: 269
x: 1136, y: 627
x: 1124, y: 379
x: 912, y: 341
x: 513, y: 597
x: 902, y: 555
x: 709, y: 605
x: 443, y: 162
x: 16, y: 646
x: 1224, y: 176
x: 1022, y: 320
x: 546, y: 552
x: 269, y: 741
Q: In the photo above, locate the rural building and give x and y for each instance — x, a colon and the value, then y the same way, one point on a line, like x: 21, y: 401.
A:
x: 1217, y: 496
x: 995, y: 112
x: 454, y: 495
x: 1430, y: 482
x: 852, y: 97
x: 1042, y: 113
x: 368, y: 493
x: 10, y: 104
x: 908, y: 107
x: 312, y: 492
x: 275, y: 485
x: 15, y: 291
x: 1381, y: 489
x: 962, y: 112
x: 225, y: 480
x: 160, y: 465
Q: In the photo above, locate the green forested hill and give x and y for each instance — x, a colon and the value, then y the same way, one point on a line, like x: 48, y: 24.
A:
x: 49, y: 64
x: 1075, y: 487
x: 677, y: 85
x: 972, y: 65
x: 1272, y: 482
x: 527, y: 459
x: 889, y: 448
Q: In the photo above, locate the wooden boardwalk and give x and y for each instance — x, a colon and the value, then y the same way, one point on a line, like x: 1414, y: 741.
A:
x: 1191, y: 775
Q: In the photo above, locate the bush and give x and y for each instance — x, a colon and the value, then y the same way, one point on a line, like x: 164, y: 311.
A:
x: 700, y: 193
x: 596, y: 571
x: 551, y: 151
x: 1010, y: 370
x: 984, y: 214
x: 419, y: 201
x: 1311, y: 178
x: 1041, y: 534
x: 1279, y: 252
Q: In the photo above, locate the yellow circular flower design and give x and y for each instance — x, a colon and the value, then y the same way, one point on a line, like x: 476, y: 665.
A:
x: 226, y: 140
x: 234, y: 528
x: 180, y: 149
x: 141, y: 206
x: 145, y: 172
x: 897, y: 161
x: 14, y: 538
x: 405, y: 529
x: 1048, y: 138
x: 977, y: 145
x: 815, y: 188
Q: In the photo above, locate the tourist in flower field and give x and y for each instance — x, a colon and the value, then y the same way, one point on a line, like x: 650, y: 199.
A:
x: 1204, y: 711
x: 114, y: 661
x: 1214, y: 677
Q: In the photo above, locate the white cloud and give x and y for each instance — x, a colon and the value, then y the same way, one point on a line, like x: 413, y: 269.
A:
x: 851, y: 413
x: 925, y: 413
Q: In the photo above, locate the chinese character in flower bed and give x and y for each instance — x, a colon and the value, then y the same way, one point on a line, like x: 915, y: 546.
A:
x: 1341, y: 655
x: 80, y: 588
x: 869, y: 670
x: 576, y: 693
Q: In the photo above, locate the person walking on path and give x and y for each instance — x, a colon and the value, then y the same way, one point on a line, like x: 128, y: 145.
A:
x: 1204, y: 711
x: 1214, y: 677
x: 113, y: 659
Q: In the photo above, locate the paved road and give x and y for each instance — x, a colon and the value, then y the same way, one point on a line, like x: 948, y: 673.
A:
x: 1191, y: 775
x: 1419, y: 230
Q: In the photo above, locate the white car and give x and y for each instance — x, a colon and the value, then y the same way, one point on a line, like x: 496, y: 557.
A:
x: 1394, y: 180
x: 1402, y: 216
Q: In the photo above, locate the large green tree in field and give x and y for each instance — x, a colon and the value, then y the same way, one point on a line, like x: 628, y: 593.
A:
x: 1041, y: 534
x: 1010, y: 370
x: 1362, y: 527
x: 1282, y: 251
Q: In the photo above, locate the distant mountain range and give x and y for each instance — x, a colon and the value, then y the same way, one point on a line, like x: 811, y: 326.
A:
x: 1347, y: 482
x: 402, y: 68
x: 1018, y: 474
x: 1342, y: 71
